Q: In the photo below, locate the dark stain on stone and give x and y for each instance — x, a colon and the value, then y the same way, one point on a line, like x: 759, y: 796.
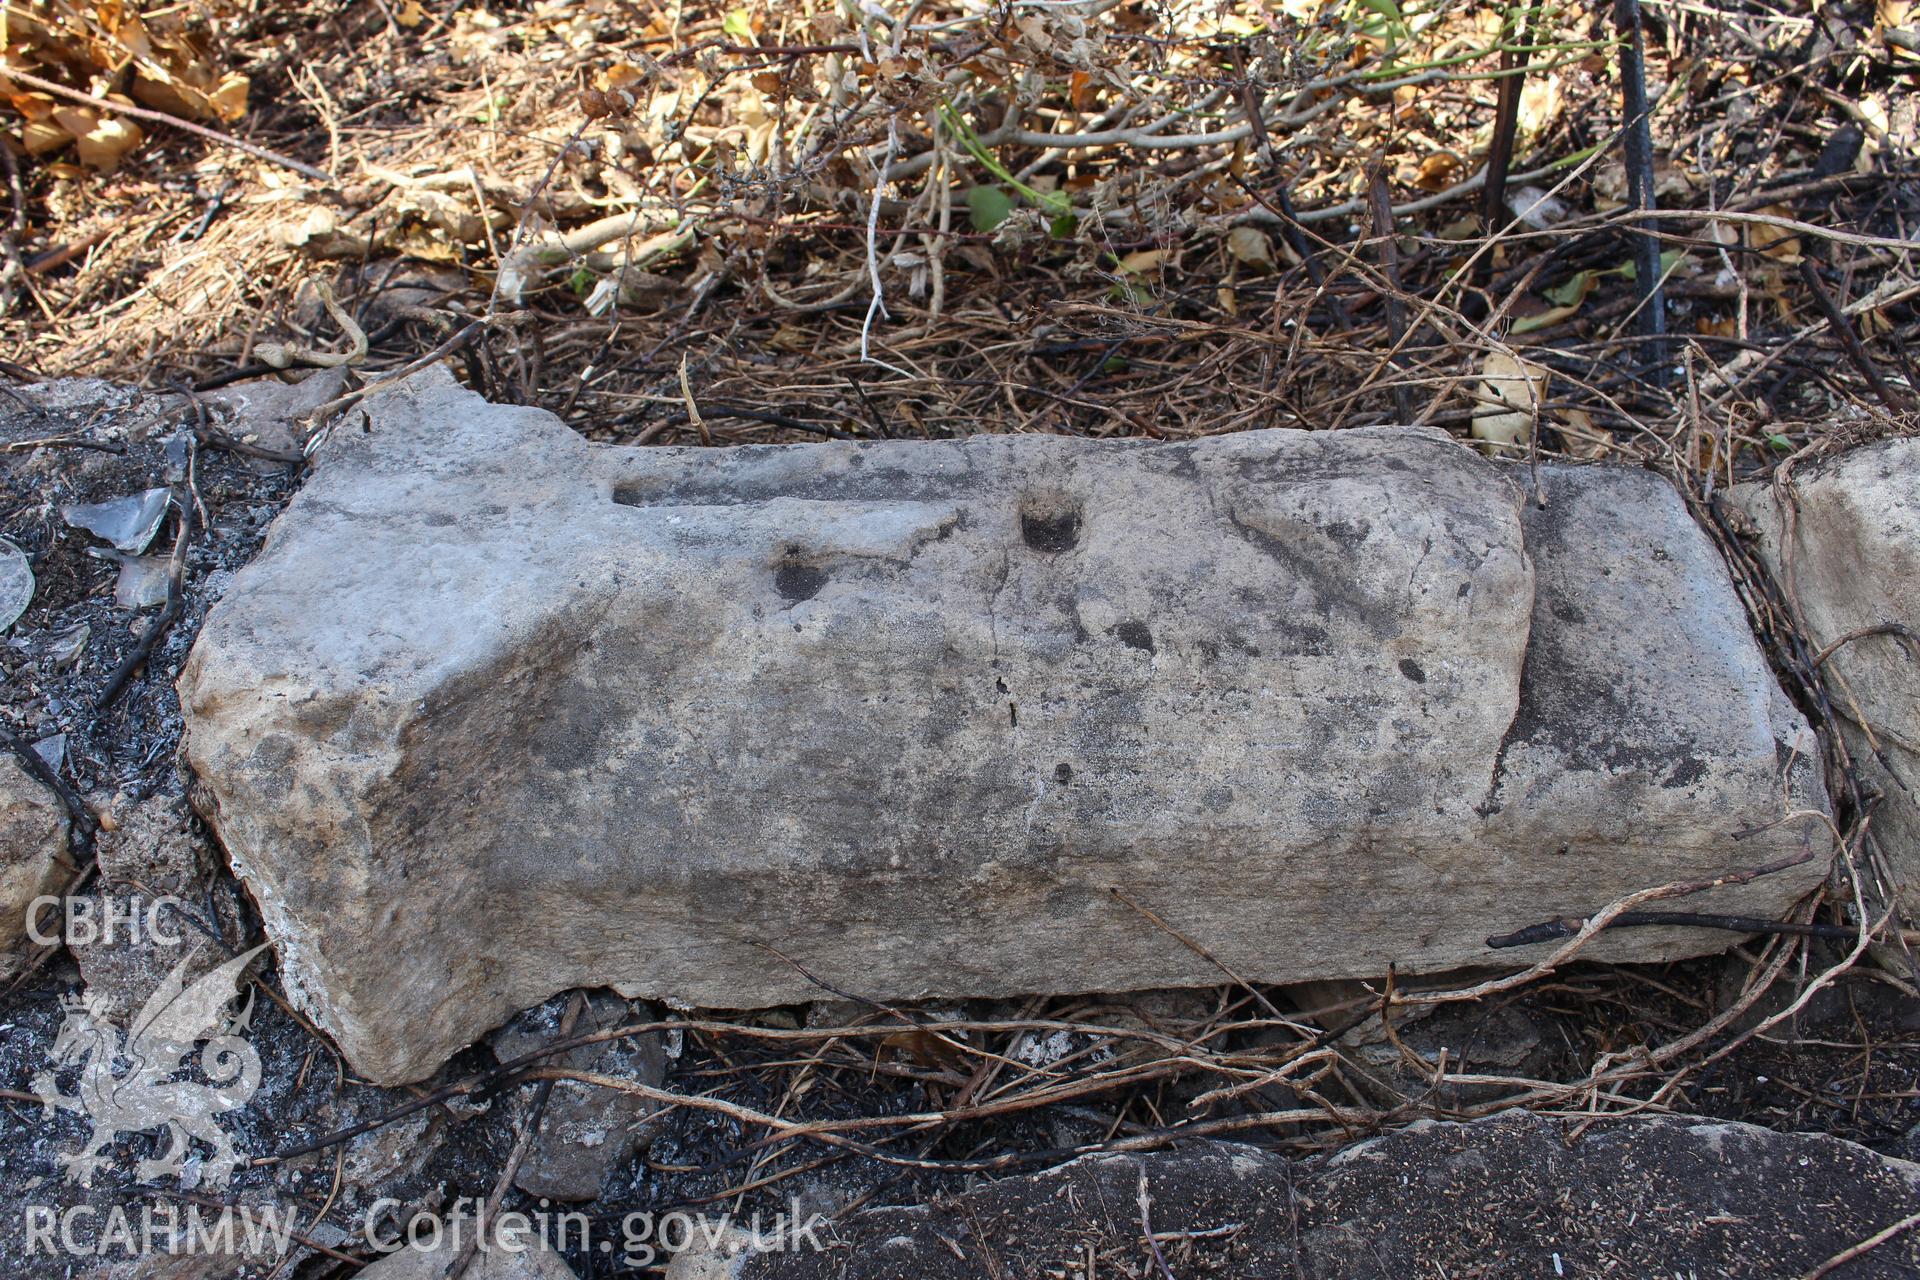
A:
x: 1685, y: 773
x: 1566, y: 704
x: 1134, y: 634
x: 798, y: 581
x: 1330, y: 592
x: 1303, y: 639
x: 1180, y: 461
x: 1413, y: 671
x: 1070, y: 610
x: 1350, y: 535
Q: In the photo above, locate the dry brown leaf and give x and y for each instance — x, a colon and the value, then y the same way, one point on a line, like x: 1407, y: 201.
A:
x: 1541, y: 101
x: 42, y: 136
x: 229, y: 98
x: 34, y: 106
x: 1080, y: 92
x: 1251, y: 246
x: 99, y: 44
x: 623, y: 75
x: 1508, y: 396
x: 1775, y: 242
x: 1581, y: 437
x: 100, y: 141
x: 1436, y: 171
x: 925, y: 1048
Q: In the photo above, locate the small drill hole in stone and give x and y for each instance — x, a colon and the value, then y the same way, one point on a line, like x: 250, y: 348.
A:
x: 798, y: 582
x: 1050, y: 528
x: 1135, y: 635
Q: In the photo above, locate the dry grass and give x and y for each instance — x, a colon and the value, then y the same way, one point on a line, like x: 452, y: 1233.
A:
x: 746, y: 167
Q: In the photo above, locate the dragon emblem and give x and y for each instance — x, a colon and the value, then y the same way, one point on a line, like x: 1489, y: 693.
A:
x: 146, y: 1095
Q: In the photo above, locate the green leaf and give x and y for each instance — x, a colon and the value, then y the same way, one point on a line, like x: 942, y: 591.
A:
x: 738, y: 23
x: 1574, y: 291
x: 1667, y: 259
x: 1053, y: 203
x: 1396, y: 24
x: 988, y: 207
x: 1064, y: 226
x: 1780, y: 442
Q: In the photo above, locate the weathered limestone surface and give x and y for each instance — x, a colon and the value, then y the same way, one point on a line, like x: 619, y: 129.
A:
x: 33, y: 854
x: 1847, y: 546
x: 499, y: 713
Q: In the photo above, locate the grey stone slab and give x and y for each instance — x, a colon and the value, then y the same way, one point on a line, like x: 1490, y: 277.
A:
x: 499, y: 713
x: 1842, y: 536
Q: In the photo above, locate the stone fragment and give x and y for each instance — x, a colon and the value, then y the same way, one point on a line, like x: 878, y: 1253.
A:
x: 1509, y: 1196
x: 152, y: 848
x: 388, y: 1153
x: 266, y: 414
x: 1671, y: 1196
x: 724, y: 1256
x: 128, y: 522
x: 499, y: 713
x: 521, y: 1258
x: 586, y: 1130
x: 124, y: 966
x: 33, y: 854
x: 16, y: 583
x: 185, y: 1266
x: 1846, y: 547
x: 152, y: 911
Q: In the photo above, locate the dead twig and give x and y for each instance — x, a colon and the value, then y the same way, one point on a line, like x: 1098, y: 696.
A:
x: 1640, y: 179
x: 1146, y: 1228
x: 1566, y: 927
x: 1865, y: 1247
x: 1843, y: 329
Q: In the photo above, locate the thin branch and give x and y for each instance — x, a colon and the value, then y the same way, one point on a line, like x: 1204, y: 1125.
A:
x: 161, y: 117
